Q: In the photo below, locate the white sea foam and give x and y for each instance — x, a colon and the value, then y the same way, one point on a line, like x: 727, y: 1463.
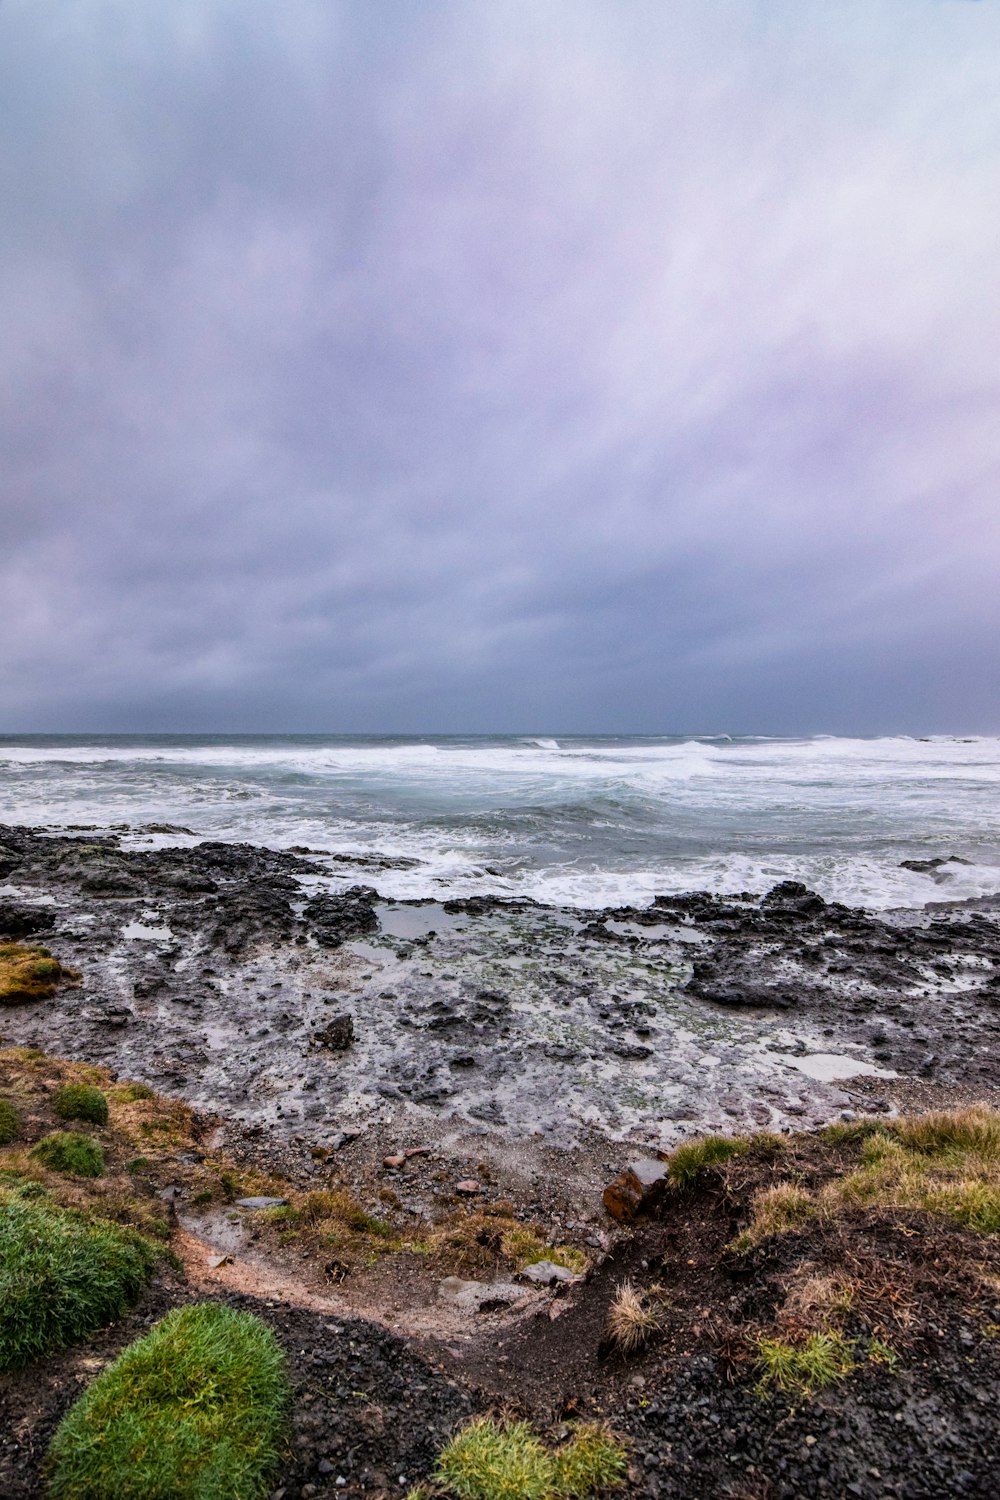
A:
x: 571, y: 821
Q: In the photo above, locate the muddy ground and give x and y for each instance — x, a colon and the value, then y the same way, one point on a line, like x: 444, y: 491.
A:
x: 530, y: 1051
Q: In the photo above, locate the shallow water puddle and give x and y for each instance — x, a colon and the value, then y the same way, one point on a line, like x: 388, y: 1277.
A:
x: 657, y: 932
x: 827, y: 1067
x: 418, y: 921
x: 146, y: 932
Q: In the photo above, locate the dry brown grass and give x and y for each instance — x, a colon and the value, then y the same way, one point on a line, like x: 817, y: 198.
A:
x: 632, y: 1321
x: 816, y: 1300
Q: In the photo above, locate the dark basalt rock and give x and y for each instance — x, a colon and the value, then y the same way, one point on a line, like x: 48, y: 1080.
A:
x: 337, y: 1035
x: 19, y: 921
x: 338, y: 919
x: 252, y: 914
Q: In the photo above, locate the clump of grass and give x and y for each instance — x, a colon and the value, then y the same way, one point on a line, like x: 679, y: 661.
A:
x: 805, y: 1367
x: 943, y: 1132
x: 847, y: 1132
x: 945, y: 1163
x: 819, y: 1299
x: 195, y: 1408
x: 591, y: 1463
x: 68, y: 1151
x: 80, y: 1101
x: 336, y: 1210
x: 506, y: 1460
x: 631, y: 1320
x: 10, y: 1122
x: 776, y: 1210
x: 61, y: 1276
x: 689, y: 1161
x: 525, y: 1247
x: 28, y: 973
x: 131, y: 1093
x: 489, y: 1460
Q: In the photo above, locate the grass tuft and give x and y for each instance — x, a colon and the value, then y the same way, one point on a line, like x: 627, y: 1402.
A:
x: 803, y: 1368
x: 61, y: 1276
x: 80, y: 1101
x: 493, y: 1461
x: 591, y: 1463
x: 506, y: 1460
x: 689, y: 1161
x: 10, y: 1122
x: 631, y: 1321
x: 197, y: 1408
x: 776, y: 1210
x: 68, y: 1151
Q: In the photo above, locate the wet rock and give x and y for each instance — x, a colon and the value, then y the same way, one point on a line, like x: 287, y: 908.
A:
x: 19, y: 921
x: 637, y: 1190
x: 337, y: 919
x: 337, y: 1035
x: 794, y: 897
x: 249, y: 915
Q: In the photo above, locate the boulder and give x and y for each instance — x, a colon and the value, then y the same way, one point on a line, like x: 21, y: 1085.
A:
x: 637, y: 1190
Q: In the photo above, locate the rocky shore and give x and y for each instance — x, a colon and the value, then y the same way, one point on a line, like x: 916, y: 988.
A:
x: 454, y: 1086
x: 280, y: 988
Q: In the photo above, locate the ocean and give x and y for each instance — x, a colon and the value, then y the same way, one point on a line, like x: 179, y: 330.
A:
x: 568, y: 820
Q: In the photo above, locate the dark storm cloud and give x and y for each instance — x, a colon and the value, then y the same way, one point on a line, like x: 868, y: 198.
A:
x: 477, y: 366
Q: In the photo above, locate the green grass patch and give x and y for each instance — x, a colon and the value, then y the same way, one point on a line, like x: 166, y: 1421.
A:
x: 491, y: 1460
x: 195, y: 1409
x: 689, y: 1161
x: 803, y: 1368
x: 68, y: 1151
x: 591, y: 1463
x: 80, y: 1101
x: 61, y: 1276
x: 10, y: 1122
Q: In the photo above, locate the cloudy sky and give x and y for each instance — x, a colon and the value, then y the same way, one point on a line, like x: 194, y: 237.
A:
x: 488, y: 365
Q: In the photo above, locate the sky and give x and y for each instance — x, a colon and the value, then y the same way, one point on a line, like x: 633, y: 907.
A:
x: 499, y: 367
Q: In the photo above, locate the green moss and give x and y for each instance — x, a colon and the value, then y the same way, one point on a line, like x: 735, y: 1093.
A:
x: 61, y: 1276
x: 10, y: 1122
x: 68, y: 1151
x: 689, y: 1161
x: 80, y: 1101
x: 196, y: 1409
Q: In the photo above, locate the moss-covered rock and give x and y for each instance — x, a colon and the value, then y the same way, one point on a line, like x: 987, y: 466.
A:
x: 29, y: 974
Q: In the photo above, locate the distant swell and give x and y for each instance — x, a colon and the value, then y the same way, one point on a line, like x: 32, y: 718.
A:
x: 585, y: 822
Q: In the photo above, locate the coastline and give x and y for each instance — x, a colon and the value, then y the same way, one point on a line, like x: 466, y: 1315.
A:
x: 342, y: 1050
x: 242, y: 979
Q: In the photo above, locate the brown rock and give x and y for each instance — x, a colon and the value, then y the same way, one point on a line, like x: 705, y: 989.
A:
x: 638, y: 1190
x: 469, y: 1187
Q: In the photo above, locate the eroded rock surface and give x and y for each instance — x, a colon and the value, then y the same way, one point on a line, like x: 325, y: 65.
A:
x: 229, y: 974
